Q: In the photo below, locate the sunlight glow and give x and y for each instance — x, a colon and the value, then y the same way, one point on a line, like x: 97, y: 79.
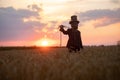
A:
x: 44, y: 43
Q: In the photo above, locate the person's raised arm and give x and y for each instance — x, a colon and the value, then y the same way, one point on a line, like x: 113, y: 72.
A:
x: 62, y: 29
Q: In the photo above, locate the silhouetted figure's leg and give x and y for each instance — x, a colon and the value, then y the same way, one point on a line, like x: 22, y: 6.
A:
x: 70, y: 50
x: 76, y: 49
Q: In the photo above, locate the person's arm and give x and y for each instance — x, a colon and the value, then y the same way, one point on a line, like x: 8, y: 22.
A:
x: 62, y: 30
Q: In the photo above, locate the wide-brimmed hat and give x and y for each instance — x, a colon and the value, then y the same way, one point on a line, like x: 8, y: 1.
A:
x: 73, y: 19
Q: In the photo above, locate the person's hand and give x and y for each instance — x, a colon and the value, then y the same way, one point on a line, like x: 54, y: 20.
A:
x: 61, y: 26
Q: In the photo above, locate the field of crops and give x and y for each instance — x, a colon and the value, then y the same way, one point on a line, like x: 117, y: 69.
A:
x: 92, y: 63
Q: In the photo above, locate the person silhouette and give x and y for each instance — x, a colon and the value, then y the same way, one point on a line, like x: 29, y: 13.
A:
x: 74, y: 42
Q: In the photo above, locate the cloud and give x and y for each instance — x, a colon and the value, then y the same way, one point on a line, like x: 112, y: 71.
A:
x: 12, y: 25
x: 51, y: 27
x: 105, y: 16
x: 35, y: 7
x: 115, y: 1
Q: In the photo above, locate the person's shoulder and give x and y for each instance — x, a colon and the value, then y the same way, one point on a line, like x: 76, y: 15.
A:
x: 69, y: 29
x: 78, y: 31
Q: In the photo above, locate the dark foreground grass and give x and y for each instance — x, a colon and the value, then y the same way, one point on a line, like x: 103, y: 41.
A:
x: 92, y: 63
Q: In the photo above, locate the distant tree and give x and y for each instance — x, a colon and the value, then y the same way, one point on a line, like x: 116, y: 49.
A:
x: 101, y: 45
x: 118, y: 43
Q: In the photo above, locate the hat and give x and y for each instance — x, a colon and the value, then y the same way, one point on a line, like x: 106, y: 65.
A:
x: 73, y: 19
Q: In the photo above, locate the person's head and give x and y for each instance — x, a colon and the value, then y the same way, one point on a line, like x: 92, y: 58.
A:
x: 74, y: 25
x: 74, y: 22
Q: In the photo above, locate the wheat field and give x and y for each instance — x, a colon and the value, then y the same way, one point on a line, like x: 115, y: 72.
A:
x: 91, y: 63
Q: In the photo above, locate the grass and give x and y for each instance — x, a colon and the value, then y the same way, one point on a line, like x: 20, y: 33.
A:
x: 92, y: 63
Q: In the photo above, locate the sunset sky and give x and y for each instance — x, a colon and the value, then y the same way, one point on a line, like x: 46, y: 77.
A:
x: 35, y: 22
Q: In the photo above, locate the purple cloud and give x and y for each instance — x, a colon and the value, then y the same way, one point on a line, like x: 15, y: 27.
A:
x: 115, y: 1
x: 12, y: 26
x: 112, y: 15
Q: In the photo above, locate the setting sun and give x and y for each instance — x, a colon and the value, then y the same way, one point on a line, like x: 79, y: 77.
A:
x: 44, y: 43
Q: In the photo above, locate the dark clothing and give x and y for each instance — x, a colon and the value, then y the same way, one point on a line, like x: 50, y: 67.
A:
x: 74, y: 41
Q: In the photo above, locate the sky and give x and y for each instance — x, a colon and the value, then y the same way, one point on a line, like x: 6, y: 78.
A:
x: 36, y: 22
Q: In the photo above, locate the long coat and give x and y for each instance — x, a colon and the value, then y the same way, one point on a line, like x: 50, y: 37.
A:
x: 74, y: 38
